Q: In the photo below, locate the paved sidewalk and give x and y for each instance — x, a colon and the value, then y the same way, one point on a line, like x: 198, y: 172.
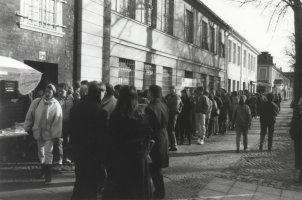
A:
x: 236, y: 190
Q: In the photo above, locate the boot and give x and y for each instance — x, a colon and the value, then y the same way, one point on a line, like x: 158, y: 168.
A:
x: 42, y: 175
x: 47, y: 173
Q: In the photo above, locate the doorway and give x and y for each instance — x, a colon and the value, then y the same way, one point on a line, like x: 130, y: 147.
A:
x: 49, y: 70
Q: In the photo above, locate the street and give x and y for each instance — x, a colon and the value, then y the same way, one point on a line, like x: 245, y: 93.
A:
x: 210, y: 171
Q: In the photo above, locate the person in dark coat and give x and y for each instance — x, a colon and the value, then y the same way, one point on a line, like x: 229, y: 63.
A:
x: 268, y: 112
x: 88, y: 125
x: 185, y: 118
x: 296, y: 135
x: 226, y: 103
x: 159, y: 116
x: 128, y: 159
x: 108, y: 103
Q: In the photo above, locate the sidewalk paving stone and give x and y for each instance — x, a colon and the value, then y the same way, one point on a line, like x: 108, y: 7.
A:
x: 246, y: 186
x: 269, y: 190
x: 218, y: 187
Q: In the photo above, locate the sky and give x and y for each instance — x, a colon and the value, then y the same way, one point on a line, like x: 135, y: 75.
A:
x: 252, y: 22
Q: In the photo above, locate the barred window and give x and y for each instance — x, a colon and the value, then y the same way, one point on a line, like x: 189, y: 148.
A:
x: 221, y: 46
x: 42, y: 15
x: 126, y: 71
x: 204, y: 41
x: 149, y: 75
x: 189, y: 26
x: 167, y: 80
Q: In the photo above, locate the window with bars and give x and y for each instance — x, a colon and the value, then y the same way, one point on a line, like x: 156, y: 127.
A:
x: 42, y: 15
x: 234, y: 53
x: 189, y: 26
x: 239, y: 55
x: 149, y: 75
x: 230, y: 51
x: 188, y: 74
x: 204, y: 40
x: 167, y: 80
x: 238, y: 86
x: 126, y: 71
x: 212, y: 39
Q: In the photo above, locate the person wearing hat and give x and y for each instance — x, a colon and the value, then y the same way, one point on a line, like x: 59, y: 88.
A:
x: 44, y: 119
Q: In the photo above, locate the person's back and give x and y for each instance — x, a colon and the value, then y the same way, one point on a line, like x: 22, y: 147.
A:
x: 268, y: 112
x: 241, y: 116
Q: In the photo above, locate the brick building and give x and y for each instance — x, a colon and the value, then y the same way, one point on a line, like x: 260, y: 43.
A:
x: 40, y: 33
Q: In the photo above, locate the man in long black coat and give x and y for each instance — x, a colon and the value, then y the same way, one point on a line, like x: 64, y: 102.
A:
x: 159, y: 116
x: 88, y: 125
x: 268, y: 112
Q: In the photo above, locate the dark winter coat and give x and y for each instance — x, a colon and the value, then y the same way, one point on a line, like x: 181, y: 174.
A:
x: 127, y: 160
x: 268, y: 112
x: 108, y: 104
x: 88, y: 126
x: 159, y: 116
x: 296, y: 135
x: 187, y: 112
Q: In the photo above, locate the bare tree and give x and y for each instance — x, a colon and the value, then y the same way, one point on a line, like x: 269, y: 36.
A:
x: 280, y: 8
x: 290, y: 50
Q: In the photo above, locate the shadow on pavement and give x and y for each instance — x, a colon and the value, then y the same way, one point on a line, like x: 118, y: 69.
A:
x: 209, y: 152
x: 7, y: 187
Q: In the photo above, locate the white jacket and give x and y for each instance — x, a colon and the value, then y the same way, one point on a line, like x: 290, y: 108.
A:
x: 54, y: 119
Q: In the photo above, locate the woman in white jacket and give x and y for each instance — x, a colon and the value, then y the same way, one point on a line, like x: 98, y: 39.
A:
x: 45, y: 118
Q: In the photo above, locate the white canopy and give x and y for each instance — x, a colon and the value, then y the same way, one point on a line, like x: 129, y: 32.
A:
x: 14, y: 70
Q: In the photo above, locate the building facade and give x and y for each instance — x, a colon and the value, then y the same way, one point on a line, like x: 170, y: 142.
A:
x: 271, y: 78
x: 241, y: 64
x: 40, y: 34
x: 164, y: 42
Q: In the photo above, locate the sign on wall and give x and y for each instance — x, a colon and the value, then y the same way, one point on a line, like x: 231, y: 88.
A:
x: 42, y: 55
x: 189, y: 82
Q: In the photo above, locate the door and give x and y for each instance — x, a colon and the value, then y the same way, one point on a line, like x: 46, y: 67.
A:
x: 49, y: 70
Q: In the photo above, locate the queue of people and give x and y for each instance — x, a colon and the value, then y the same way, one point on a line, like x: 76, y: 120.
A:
x: 119, y: 138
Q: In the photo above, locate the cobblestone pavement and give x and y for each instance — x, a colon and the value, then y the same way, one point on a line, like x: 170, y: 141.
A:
x: 194, y: 170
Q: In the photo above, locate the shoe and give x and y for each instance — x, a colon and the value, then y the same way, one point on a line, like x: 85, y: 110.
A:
x: 260, y: 148
x: 67, y: 161
x: 237, y: 151
x: 246, y: 149
x: 173, y: 149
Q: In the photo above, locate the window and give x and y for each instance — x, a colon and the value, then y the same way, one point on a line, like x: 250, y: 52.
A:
x: 229, y: 85
x: 221, y: 46
x: 239, y: 56
x: 238, y: 86
x: 189, y: 74
x: 234, y: 53
x: 244, y: 58
x: 166, y: 16
x: 262, y: 75
x: 203, y: 80
x: 204, y: 41
x: 249, y: 61
x: 42, y: 15
x: 149, y: 75
x: 243, y: 86
x: 167, y: 80
x: 189, y: 26
x: 128, y: 8
x: 234, y: 85
x: 211, y: 82
x: 230, y: 51
x: 212, y: 39
x: 126, y: 71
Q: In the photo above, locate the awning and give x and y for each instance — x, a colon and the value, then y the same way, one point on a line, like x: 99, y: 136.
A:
x: 14, y: 70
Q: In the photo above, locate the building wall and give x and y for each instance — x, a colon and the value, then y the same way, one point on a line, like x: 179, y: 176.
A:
x: 23, y: 44
x: 241, y: 70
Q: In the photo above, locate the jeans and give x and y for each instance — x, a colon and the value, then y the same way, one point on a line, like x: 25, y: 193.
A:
x: 200, y: 121
x: 45, y: 148
x: 241, y: 130
x: 264, y: 129
x: 171, y: 130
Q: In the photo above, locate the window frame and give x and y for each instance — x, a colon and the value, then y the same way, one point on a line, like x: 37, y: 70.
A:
x: 41, y: 16
x: 189, y: 26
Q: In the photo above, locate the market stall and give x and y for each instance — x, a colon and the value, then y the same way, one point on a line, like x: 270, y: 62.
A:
x: 17, y: 80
